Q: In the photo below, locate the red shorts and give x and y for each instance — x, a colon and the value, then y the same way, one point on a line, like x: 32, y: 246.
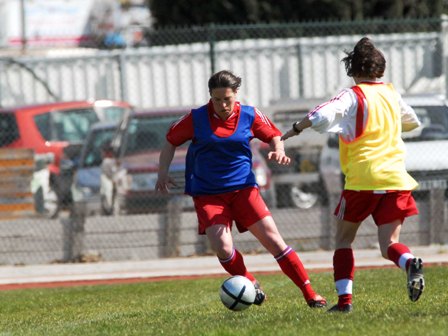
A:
x: 356, y: 206
x: 245, y: 207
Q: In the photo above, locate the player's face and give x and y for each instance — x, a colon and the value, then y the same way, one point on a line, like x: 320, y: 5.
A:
x: 223, y: 100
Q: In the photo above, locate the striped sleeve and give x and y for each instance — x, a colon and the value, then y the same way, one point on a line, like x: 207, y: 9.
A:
x: 181, y: 130
x: 335, y: 115
x: 263, y: 128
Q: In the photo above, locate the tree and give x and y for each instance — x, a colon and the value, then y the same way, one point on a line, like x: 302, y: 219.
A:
x: 199, y: 12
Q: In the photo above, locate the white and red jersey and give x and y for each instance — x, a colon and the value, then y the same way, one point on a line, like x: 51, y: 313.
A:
x: 338, y: 115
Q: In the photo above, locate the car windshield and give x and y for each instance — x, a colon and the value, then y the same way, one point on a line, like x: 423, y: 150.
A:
x: 67, y: 125
x: 434, y: 126
x: 111, y: 113
x: 147, y: 133
x: 92, y: 157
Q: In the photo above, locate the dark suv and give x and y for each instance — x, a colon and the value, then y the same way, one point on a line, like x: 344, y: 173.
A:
x: 128, y: 178
x: 58, y: 129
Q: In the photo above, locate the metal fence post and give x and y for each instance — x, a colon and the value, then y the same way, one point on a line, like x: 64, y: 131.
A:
x: 173, y: 217
x: 327, y: 236
x: 444, y: 47
x: 212, y: 42
x: 73, y: 236
x: 121, y: 60
x: 436, y: 215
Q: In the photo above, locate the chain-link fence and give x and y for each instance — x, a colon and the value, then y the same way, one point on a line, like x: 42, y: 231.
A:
x: 109, y: 207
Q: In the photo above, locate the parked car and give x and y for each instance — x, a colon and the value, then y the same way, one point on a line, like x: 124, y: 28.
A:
x: 87, y: 177
x: 426, y: 146
x: 128, y: 178
x: 298, y: 184
x: 58, y: 128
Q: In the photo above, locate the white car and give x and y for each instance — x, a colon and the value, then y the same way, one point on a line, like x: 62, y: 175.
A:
x: 299, y: 184
x: 426, y: 148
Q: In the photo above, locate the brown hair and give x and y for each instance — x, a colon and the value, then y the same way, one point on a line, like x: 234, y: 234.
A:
x: 365, y: 60
x: 224, y: 79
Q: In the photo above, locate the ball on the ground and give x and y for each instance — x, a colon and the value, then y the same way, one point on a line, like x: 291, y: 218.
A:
x: 237, y: 293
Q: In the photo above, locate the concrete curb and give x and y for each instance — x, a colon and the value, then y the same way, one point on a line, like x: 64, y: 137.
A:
x: 192, y: 266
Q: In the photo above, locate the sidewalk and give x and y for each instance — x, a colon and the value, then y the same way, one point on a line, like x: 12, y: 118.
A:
x: 33, y: 275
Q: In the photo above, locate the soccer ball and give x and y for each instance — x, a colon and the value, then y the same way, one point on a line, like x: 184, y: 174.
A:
x: 237, y: 293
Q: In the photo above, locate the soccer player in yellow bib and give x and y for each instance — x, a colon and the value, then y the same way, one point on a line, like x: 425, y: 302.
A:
x: 369, y: 118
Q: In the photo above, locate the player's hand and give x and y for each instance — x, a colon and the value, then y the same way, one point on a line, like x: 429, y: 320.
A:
x: 288, y: 135
x: 279, y: 156
x: 164, y: 183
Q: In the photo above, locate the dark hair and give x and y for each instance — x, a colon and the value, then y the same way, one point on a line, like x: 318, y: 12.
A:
x: 224, y: 79
x: 365, y: 60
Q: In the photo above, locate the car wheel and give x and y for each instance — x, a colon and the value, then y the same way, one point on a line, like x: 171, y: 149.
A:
x: 303, y: 199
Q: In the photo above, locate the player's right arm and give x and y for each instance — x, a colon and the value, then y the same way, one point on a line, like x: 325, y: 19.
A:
x: 164, y: 181
x: 327, y: 117
x: 180, y: 132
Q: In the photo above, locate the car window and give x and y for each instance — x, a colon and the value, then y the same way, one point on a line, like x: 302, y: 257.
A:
x: 42, y: 122
x: 434, y: 125
x: 111, y: 113
x: 9, y: 131
x: 68, y: 125
x: 98, y: 139
x: 147, y: 133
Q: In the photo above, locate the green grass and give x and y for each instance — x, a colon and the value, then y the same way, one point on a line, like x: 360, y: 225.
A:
x: 192, y: 307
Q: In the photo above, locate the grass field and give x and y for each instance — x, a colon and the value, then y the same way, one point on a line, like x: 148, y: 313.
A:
x: 192, y: 307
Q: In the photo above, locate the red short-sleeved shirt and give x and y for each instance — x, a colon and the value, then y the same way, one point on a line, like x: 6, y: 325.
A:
x: 182, y: 130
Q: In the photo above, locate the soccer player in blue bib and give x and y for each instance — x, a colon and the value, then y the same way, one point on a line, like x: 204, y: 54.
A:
x: 219, y: 177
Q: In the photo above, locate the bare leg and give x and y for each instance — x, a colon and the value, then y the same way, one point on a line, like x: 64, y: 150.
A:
x: 221, y: 242
x: 392, y: 249
x: 388, y: 234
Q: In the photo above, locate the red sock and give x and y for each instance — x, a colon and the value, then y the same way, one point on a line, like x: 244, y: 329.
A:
x: 292, y: 266
x: 400, y: 255
x: 344, y: 271
x: 234, y: 265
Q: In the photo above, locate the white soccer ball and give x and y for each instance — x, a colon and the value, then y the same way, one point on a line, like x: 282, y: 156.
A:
x: 237, y: 293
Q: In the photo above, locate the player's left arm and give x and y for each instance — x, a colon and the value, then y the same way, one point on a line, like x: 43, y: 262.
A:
x: 277, y: 152
x: 267, y: 132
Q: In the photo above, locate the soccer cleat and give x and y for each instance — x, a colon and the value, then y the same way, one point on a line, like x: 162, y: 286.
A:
x: 346, y: 308
x: 317, y: 302
x: 416, y: 280
x: 260, y: 296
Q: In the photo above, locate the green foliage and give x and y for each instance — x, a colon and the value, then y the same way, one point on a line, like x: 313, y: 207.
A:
x: 214, y: 32
x: 192, y: 307
x: 200, y: 13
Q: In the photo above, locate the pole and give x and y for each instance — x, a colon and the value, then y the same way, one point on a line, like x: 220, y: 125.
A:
x: 23, y: 25
x: 212, y: 42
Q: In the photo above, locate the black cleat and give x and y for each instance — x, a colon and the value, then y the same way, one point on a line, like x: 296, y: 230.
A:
x: 416, y: 280
x: 317, y: 302
x: 260, y: 296
x: 347, y: 308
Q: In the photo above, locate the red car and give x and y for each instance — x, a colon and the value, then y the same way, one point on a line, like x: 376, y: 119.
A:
x: 60, y: 129
x: 128, y: 178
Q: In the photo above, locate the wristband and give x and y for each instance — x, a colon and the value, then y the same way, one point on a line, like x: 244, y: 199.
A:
x: 295, y: 129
